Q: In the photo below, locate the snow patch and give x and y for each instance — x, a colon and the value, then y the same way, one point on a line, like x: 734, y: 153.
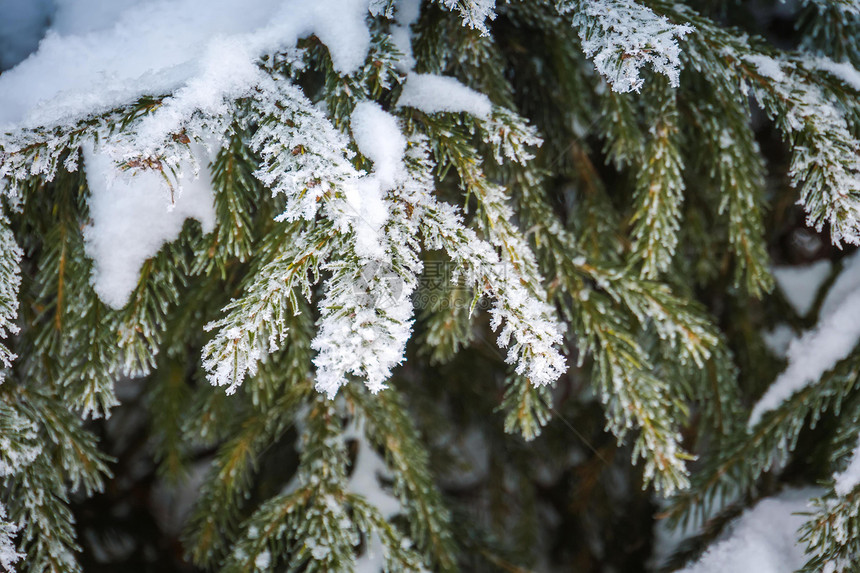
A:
x: 779, y: 339
x: 768, y: 67
x: 431, y: 93
x: 800, y: 284
x: 842, y: 70
x: 849, y: 478
x: 408, y: 12
x: 101, y: 55
x: 132, y: 218
x: 818, y: 350
x: 764, y: 538
x: 380, y: 140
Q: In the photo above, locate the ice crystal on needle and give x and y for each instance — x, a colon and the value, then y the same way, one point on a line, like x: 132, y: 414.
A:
x: 8, y: 555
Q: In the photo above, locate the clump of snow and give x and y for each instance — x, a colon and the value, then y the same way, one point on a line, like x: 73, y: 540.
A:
x: 75, y: 17
x: 368, y: 213
x: 367, y: 470
x: 373, y: 558
x: 818, y: 350
x: 762, y: 540
x: 431, y: 93
x: 380, y: 140
x: 778, y: 339
x: 768, y: 67
x: 849, y: 478
x: 133, y: 217
x: 263, y: 560
x: 800, y: 284
x: 846, y: 283
x: 149, y: 47
x: 842, y: 70
x: 407, y: 13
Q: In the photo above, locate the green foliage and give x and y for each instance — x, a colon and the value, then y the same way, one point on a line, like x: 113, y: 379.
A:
x: 607, y: 285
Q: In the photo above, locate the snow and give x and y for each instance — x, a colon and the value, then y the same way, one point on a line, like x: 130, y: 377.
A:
x: 849, y: 478
x: 474, y: 13
x: 84, y: 16
x: 263, y: 560
x: 842, y: 70
x: 800, y: 284
x: 373, y: 558
x: 132, y: 218
x: 366, y: 313
x: 431, y: 93
x: 379, y: 139
x: 846, y: 283
x: 762, y: 540
x: 368, y: 468
x: 778, y: 339
x: 622, y: 36
x: 102, y: 55
x: 408, y: 12
x: 818, y: 350
x: 768, y: 67
x: 8, y: 555
x: 21, y: 27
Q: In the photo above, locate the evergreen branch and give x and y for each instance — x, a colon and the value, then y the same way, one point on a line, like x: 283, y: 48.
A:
x: 8, y: 555
x: 527, y: 408
x: 622, y: 36
x: 309, y: 523
x: 474, y: 13
x: 168, y: 398
x: 832, y: 534
x: 530, y: 332
x: 217, y: 511
x: 10, y: 282
x: 746, y: 455
x: 659, y: 190
x: 824, y: 164
x: 256, y: 323
x: 446, y: 328
x: 389, y: 426
x: 370, y: 82
x: 236, y: 197
x: 37, y: 498
x: 618, y: 121
x: 382, y: 536
x: 65, y: 459
x: 722, y: 122
x: 633, y: 396
x: 516, y: 260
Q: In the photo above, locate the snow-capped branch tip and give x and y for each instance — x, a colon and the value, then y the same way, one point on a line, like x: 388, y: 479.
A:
x: 622, y: 37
